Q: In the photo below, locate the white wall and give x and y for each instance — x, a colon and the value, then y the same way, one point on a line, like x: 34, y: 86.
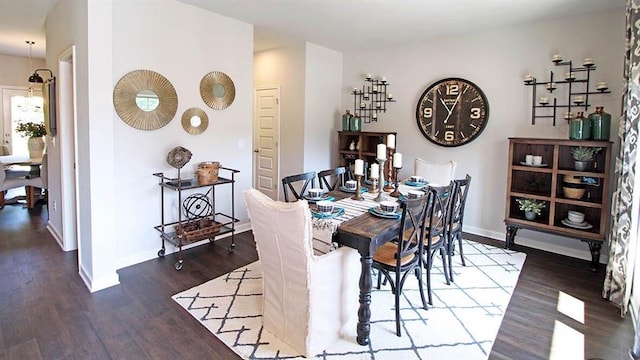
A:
x: 496, y: 61
x: 183, y: 43
x: 15, y: 70
x: 323, y: 82
x: 286, y: 67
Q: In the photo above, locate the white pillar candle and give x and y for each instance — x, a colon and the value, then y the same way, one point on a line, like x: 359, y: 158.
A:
x: 391, y: 141
x: 381, y: 151
x: 362, y: 105
x: 359, y: 167
x: 397, y: 160
x: 557, y: 58
x: 390, y: 96
x: 368, y: 76
x: 383, y: 79
x: 375, y: 170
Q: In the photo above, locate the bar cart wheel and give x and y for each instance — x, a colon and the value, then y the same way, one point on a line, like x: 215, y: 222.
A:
x: 161, y: 253
x: 179, y: 265
x: 232, y: 247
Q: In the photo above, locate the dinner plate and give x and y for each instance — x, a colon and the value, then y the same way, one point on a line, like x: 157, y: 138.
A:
x: 337, y: 211
x: 532, y: 165
x: 344, y: 189
x: 415, y: 183
x: 375, y: 211
x: 582, y: 226
x: 325, y: 197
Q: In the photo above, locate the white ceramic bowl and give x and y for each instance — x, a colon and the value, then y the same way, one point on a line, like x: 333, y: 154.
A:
x: 417, y: 179
x: 315, y: 193
x: 575, y: 216
x: 325, y: 206
x: 388, y: 206
x: 351, y: 184
x: 414, y: 194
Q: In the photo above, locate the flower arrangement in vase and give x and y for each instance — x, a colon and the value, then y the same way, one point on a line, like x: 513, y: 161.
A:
x: 531, y: 207
x: 35, y: 132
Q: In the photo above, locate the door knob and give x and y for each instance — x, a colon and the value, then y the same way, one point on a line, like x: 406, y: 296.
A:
x: 255, y: 151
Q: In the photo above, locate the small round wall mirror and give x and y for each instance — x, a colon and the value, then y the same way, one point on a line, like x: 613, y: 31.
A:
x: 195, y: 121
x: 145, y: 100
x: 217, y: 90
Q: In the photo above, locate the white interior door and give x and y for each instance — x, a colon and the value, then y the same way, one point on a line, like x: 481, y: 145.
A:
x: 266, y: 140
x: 17, y: 107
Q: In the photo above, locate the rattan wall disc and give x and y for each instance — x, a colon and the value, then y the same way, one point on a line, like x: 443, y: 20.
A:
x: 197, y: 125
x: 217, y: 90
x: 130, y: 86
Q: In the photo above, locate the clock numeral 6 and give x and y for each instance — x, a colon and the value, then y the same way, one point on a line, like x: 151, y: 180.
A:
x: 452, y: 89
x: 427, y: 112
x: 449, y: 135
x: 475, y: 113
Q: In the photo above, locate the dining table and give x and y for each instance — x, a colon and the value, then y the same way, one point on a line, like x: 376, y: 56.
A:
x: 356, y: 227
x: 22, y: 166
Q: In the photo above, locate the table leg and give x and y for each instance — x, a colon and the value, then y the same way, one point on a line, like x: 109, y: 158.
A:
x: 364, y: 312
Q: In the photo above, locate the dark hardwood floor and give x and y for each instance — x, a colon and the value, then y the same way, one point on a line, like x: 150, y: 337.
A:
x: 46, y: 312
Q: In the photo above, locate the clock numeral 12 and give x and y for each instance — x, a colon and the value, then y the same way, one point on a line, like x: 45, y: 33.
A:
x: 452, y: 89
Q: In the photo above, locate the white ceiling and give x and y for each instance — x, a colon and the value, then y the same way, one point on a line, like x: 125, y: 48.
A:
x: 336, y: 24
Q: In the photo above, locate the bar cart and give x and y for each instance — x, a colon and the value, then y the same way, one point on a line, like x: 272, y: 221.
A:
x: 197, y: 215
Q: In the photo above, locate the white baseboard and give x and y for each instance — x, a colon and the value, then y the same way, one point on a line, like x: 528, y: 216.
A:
x: 101, y: 283
x: 545, y: 246
x: 170, y: 249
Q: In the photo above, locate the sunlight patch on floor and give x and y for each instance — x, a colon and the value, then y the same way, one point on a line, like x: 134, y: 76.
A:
x: 571, y: 306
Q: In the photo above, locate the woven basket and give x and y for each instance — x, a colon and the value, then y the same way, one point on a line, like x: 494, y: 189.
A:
x: 208, y: 172
x: 195, y: 230
x: 572, y: 193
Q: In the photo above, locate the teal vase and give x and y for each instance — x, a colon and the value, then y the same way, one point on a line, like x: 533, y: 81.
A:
x: 600, y: 124
x: 355, y: 123
x: 346, y: 121
x: 579, y: 127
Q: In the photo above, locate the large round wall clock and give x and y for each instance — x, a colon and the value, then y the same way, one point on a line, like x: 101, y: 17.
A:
x: 452, y: 112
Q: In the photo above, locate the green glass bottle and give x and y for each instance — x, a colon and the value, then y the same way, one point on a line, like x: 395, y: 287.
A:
x: 579, y: 127
x: 346, y: 121
x: 355, y: 123
x: 600, y: 124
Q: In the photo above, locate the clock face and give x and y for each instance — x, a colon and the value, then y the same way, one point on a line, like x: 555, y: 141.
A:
x: 452, y: 112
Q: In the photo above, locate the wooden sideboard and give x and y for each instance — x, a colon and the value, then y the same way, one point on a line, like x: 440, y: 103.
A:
x: 546, y: 183
x: 365, y: 143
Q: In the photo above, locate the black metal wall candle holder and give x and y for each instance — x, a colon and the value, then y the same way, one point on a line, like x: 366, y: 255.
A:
x: 371, y: 99
x: 577, y: 98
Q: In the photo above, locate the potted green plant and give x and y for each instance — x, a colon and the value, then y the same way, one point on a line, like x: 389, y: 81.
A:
x: 531, y: 207
x: 582, y: 155
x: 34, y: 131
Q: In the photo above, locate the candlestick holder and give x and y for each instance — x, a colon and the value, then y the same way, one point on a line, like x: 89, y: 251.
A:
x: 389, y: 186
x: 374, y: 185
x: 381, y: 181
x: 395, y: 192
x: 357, y: 195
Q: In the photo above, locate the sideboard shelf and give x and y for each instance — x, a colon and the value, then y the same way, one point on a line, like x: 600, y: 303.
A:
x: 546, y: 184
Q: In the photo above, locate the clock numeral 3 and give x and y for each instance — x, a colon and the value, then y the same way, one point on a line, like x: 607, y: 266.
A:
x: 475, y: 113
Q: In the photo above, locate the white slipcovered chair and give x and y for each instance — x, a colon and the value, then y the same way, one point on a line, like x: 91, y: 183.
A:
x: 309, y: 301
x: 9, y: 183
x: 39, y: 182
x: 435, y: 174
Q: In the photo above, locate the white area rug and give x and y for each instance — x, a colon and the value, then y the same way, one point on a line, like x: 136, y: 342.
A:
x: 462, y: 323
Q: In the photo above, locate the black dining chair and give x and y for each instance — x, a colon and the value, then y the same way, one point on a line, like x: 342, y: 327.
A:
x: 454, y: 227
x: 289, y: 183
x: 404, y: 255
x: 332, y: 177
x: 435, y: 239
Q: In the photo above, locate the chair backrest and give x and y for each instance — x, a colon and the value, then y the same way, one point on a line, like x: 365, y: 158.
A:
x: 282, y: 232
x: 439, y: 212
x: 412, y: 228
x: 6, y: 184
x: 44, y: 171
x: 289, y: 184
x: 4, y: 150
x: 436, y: 174
x: 460, y: 191
x: 332, y: 177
